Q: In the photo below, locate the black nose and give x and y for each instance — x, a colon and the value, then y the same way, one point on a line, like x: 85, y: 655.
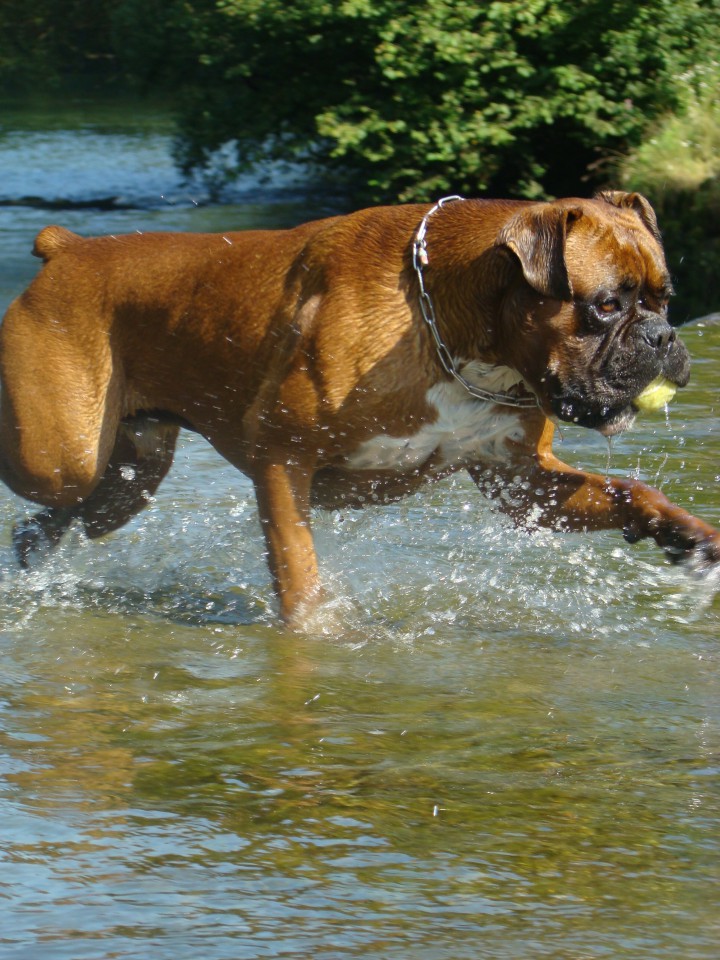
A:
x: 658, y: 333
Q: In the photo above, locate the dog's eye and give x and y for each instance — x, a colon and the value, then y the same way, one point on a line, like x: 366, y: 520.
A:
x: 609, y: 306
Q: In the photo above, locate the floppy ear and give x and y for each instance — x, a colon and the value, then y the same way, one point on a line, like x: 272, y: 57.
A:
x: 536, y: 235
x: 636, y: 202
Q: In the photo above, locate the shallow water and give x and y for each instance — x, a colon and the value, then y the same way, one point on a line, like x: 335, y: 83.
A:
x: 493, y: 744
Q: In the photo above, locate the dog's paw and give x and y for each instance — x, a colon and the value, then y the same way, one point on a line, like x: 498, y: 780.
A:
x: 28, y: 538
x: 698, y: 546
x: 37, y: 535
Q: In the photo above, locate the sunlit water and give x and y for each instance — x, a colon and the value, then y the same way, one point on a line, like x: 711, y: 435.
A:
x: 493, y: 744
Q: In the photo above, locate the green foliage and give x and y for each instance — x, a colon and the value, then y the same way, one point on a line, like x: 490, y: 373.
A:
x: 682, y: 150
x: 405, y: 98
x: 678, y: 167
x: 43, y: 42
x: 161, y: 44
x: 412, y: 99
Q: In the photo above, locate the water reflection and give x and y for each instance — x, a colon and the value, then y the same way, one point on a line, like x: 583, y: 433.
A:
x: 286, y: 790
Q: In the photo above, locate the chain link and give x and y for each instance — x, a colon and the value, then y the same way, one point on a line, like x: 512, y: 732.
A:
x: 420, y: 261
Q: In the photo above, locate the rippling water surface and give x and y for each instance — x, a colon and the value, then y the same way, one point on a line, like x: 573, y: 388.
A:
x: 494, y: 744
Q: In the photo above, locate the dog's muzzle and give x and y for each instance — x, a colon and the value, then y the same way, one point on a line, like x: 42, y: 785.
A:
x: 602, y: 398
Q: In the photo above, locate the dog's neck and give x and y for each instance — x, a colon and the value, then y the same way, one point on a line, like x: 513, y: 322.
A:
x: 421, y: 260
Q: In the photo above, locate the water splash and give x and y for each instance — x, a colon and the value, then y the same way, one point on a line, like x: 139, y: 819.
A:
x: 608, y: 460
x: 428, y: 569
x: 667, y: 416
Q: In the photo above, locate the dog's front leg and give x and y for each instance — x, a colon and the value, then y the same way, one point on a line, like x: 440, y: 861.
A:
x: 544, y: 491
x: 283, y: 497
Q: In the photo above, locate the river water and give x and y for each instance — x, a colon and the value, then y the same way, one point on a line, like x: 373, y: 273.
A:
x: 497, y: 745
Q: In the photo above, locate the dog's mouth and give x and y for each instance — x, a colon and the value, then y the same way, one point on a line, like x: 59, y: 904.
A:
x: 619, y: 422
x: 612, y: 417
x: 607, y: 419
x: 610, y: 402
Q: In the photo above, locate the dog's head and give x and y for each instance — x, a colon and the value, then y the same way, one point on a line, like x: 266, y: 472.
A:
x: 587, y: 322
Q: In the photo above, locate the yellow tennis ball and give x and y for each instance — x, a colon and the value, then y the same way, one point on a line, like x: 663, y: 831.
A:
x: 655, y: 395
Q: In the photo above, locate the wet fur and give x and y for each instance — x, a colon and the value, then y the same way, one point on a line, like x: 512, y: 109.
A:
x: 302, y: 356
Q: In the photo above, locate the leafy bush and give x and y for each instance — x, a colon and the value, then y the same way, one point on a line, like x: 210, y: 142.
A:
x: 406, y: 99
x: 678, y: 167
x: 414, y: 98
x: 44, y: 41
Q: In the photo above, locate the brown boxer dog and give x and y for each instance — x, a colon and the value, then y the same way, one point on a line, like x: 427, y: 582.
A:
x: 343, y: 363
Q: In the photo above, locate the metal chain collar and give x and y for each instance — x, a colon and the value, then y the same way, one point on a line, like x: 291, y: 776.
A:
x: 420, y: 261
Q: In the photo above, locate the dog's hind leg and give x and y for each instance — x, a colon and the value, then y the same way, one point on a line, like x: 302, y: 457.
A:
x: 141, y: 457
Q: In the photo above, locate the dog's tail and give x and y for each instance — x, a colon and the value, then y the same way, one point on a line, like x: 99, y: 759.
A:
x: 50, y: 240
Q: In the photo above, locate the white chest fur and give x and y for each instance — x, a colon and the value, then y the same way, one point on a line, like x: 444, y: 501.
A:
x: 465, y: 431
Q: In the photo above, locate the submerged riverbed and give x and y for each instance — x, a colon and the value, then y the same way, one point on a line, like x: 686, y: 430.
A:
x: 496, y: 745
